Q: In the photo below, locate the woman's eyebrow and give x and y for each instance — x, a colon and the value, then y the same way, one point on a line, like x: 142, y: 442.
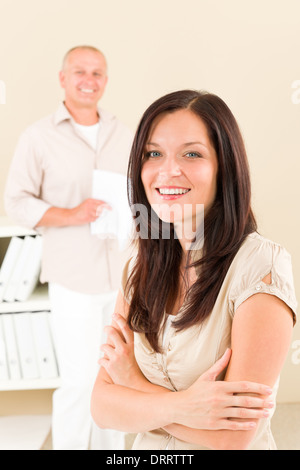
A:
x: 193, y: 143
x: 153, y: 144
x: 187, y: 144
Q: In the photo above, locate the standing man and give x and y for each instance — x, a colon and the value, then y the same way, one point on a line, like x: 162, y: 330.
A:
x: 49, y: 188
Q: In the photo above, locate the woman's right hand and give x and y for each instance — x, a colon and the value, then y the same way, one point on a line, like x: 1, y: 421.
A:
x: 213, y: 405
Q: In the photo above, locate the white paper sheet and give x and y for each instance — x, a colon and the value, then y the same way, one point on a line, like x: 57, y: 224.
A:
x: 116, y: 223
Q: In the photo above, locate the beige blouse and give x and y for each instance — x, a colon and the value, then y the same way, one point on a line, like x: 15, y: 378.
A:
x: 189, y: 353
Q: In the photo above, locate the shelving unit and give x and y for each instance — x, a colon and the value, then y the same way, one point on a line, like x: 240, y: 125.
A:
x: 37, y: 302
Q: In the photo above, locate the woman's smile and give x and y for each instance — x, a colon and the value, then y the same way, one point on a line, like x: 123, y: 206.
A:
x: 172, y: 192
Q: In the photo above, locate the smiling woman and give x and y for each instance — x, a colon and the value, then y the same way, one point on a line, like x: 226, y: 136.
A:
x: 218, y: 178
x: 212, y: 324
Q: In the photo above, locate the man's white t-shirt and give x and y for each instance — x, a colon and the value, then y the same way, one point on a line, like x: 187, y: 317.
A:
x: 90, y: 133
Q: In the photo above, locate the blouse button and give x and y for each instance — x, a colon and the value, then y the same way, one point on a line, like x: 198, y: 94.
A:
x: 258, y: 287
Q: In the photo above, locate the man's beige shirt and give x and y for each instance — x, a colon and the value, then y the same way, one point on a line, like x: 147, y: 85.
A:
x: 53, y: 166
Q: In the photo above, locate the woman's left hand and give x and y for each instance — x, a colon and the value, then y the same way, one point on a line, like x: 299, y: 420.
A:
x: 119, y: 360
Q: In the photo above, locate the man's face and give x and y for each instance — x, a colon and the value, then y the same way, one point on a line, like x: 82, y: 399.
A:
x: 84, y: 77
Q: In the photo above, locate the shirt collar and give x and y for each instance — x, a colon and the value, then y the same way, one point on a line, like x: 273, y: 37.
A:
x: 62, y: 114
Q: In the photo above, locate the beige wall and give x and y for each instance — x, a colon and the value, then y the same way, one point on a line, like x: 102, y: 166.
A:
x: 246, y: 51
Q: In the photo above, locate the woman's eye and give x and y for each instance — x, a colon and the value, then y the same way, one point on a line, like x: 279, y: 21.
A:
x: 153, y: 154
x: 193, y: 155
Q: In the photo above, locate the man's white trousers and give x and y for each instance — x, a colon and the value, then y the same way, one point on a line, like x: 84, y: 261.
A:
x: 78, y: 321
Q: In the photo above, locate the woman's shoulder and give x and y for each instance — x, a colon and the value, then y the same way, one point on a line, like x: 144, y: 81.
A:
x: 257, y: 258
x: 256, y: 248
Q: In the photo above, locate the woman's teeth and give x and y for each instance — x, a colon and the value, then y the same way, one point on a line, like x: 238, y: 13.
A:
x: 172, y: 190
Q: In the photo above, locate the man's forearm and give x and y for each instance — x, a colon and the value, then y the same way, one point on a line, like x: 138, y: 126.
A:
x: 88, y: 211
x: 57, y: 217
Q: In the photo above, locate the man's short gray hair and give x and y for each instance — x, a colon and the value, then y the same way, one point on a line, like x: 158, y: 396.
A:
x: 84, y: 47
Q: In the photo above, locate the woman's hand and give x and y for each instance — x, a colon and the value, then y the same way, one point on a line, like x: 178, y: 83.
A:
x: 210, y: 404
x: 207, y: 404
x: 119, y: 359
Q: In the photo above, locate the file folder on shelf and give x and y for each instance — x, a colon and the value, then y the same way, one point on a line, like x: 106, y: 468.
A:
x: 9, y: 262
x: 26, y: 347
x: 30, y: 274
x: 3, y: 358
x: 23, y: 261
x: 43, y: 344
x: 11, y: 347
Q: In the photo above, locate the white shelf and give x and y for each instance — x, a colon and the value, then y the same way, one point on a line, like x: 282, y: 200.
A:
x: 38, y: 301
x: 10, y: 229
x: 34, y: 384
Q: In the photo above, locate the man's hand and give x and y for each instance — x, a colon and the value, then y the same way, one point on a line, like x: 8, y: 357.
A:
x: 86, y: 212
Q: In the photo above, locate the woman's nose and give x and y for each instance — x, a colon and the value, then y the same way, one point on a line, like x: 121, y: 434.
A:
x: 170, y: 167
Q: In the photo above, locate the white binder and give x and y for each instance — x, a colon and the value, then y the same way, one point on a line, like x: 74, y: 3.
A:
x: 11, y: 347
x: 9, y: 262
x: 26, y: 348
x: 20, y: 267
x: 46, y: 359
x: 31, y: 272
x: 3, y: 359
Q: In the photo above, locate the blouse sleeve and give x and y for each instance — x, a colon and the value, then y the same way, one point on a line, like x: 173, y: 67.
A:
x: 267, y: 258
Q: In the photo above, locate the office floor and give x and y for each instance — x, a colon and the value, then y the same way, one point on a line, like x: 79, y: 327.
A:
x: 285, y: 426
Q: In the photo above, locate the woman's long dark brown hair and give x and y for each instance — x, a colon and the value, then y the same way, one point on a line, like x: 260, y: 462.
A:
x: 154, y: 280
